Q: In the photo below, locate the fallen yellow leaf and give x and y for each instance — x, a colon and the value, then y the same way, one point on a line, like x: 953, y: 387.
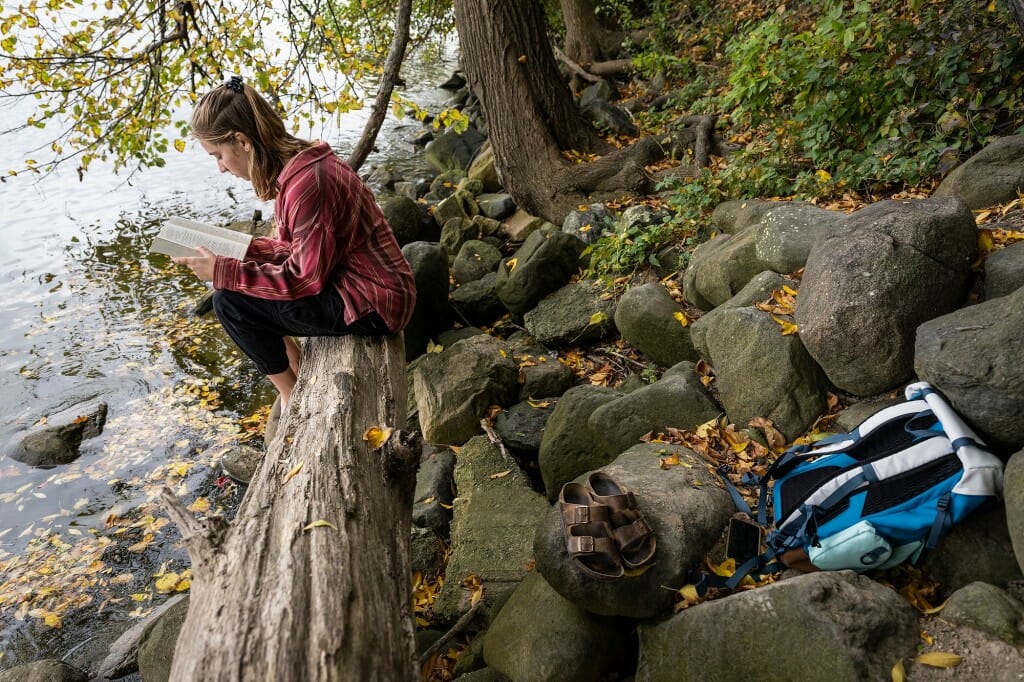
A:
x: 899, y: 673
x: 167, y: 582
x: 597, y: 318
x: 939, y: 659
x: 81, y: 419
x: 52, y: 619
x: 377, y: 436
x: 319, y: 523
x: 295, y: 469
x: 681, y: 317
x: 537, y: 403
x: 501, y: 474
x: 201, y: 505
x: 511, y: 264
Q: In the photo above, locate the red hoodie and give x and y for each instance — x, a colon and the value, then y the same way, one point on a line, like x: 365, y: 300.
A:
x: 331, y: 232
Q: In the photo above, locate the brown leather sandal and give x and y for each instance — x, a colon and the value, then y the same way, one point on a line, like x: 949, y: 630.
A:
x: 633, y: 536
x: 588, y: 536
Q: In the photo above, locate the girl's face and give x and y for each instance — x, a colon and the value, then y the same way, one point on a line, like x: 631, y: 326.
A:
x: 232, y: 157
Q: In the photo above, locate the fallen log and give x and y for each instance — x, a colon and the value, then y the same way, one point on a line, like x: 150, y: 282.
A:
x: 311, y: 581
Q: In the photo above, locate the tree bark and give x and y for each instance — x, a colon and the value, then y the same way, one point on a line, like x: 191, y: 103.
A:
x: 396, y: 54
x: 585, y: 39
x: 531, y: 116
x: 1017, y: 10
x: 312, y: 580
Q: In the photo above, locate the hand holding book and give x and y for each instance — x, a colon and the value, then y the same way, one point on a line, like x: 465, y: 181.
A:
x: 202, y: 265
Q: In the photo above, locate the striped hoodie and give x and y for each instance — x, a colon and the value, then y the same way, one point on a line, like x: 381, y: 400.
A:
x: 330, y: 233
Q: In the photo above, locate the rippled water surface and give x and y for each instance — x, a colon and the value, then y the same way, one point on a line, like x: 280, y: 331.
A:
x: 86, y: 313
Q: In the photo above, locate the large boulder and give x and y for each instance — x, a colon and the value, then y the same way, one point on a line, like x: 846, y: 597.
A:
x: 455, y: 387
x: 786, y: 233
x: 993, y: 176
x: 46, y: 670
x: 432, y: 314
x: 678, y: 399
x: 974, y: 356
x: 720, y: 268
x: 539, y: 636
x: 836, y: 626
x: 432, y: 500
x: 684, y: 507
x: 1004, y: 271
x: 477, y: 302
x: 978, y: 549
x: 1013, y: 494
x: 873, y: 279
x: 55, y: 439
x: 735, y: 215
x: 543, y: 376
x: 987, y: 608
x: 453, y: 150
x: 756, y: 290
x: 521, y: 427
x: 405, y: 218
x: 762, y: 373
x: 578, y: 313
x: 649, y: 318
x: 475, y: 260
x: 482, y: 168
x: 543, y: 264
x: 156, y: 650
x: 589, y: 223
x: 569, y: 447
x: 459, y: 204
x: 495, y: 516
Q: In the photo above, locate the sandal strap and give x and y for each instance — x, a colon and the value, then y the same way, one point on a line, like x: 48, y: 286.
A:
x: 574, y: 514
x: 582, y: 545
x: 633, y: 535
x: 621, y: 502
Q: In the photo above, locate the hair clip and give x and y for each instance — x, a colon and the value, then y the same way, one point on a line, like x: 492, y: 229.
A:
x: 235, y: 84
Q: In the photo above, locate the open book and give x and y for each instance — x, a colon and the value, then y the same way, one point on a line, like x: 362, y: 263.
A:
x: 180, y: 237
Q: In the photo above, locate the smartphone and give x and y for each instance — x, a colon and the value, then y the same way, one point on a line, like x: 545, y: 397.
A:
x: 743, y: 540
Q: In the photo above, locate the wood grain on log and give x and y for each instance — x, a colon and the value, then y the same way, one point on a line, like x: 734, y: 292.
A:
x: 312, y: 581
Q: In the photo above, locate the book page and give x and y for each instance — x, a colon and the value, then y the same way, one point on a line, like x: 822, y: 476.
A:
x: 180, y: 237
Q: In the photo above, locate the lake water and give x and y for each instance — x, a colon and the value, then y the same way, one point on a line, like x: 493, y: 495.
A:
x: 85, y: 312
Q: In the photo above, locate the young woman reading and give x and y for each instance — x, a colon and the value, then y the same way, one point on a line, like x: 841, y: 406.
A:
x: 334, y: 267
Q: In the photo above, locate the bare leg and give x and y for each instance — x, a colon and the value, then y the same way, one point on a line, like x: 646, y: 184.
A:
x: 294, y: 353
x: 284, y: 382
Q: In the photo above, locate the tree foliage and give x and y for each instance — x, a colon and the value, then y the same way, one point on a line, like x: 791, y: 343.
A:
x: 116, y: 80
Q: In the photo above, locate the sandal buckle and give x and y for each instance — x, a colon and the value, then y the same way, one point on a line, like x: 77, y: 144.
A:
x: 586, y: 544
x: 581, y: 514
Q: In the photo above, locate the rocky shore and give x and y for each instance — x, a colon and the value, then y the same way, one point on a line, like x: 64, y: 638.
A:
x: 888, y: 294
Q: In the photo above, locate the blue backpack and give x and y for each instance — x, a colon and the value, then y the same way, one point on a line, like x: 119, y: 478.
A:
x: 877, y: 495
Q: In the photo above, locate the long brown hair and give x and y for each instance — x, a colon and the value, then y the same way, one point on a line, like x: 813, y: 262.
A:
x: 235, y: 107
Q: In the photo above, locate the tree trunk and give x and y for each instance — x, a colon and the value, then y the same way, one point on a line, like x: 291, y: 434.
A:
x: 531, y: 116
x: 312, y: 581
x: 584, y: 37
x: 387, y: 85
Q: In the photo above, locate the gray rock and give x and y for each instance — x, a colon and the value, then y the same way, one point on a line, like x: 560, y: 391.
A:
x: 453, y: 336
x: 1004, y: 271
x: 240, y: 462
x: 851, y: 417
x: 611, y: 118
x: 455, y: 387
x: 543, y: 376
x: 46, y: 670
x: 496, y: 206
x: 1013, y: 496
x: 569, y: 447
x: 986, y: 608
x: 756, y: 290
x: 432, y: 314
x: 736, y: 215
x: 590, y: 224
x: 482, y: 168
x: 678, y: 399
x: 646, y: 316
x: 453, y: 150
x: 973, y: 357
x: 521, y: 225
x: 404, y: 217
x: 684, y: 507
x: 475, y: 260
x: 123, y: 655
x: 459, y: 205
x: 872, y: 281
x: 539, y: 636
x: 836, y: 626
x: 472, y: 185
x: 426, y: 553
x: 156, y: 650
x: 435, y: 489
x: 720, y: 268
x: 761, y: 373
x: 641, y: 216
x: 783, y: 238
x: 56, y: 441
x: 444, y: 184
x: 578, y: 313
x: 521, y: 343
x: 495, y: 516
x: 977, y: 549
x: 477, y: 302
x: 521, y: 427
x: 409, y: 190
x: 992, y: 176
x: 456, y: 232
x: 472, y: 658
x: 483, y: 675
x: 543, y: 264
